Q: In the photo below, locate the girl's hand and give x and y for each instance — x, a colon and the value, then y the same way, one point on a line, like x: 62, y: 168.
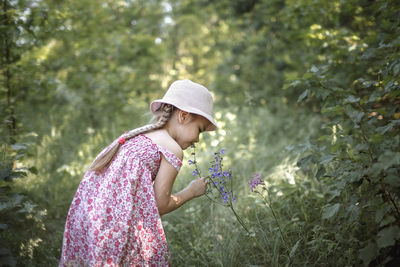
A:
x: 198, y: 187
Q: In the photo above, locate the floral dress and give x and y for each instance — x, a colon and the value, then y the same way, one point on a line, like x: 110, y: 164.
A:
x: 113, y: 219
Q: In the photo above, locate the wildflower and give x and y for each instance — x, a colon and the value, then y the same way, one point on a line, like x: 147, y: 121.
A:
x: 255, y: 181
x: 218, y: 176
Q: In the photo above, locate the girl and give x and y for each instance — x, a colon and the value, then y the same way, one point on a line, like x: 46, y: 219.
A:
x: 114, y: 218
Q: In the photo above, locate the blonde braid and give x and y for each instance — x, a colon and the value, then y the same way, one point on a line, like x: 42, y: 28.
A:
x: 102, y: 161
x: 166, y: 114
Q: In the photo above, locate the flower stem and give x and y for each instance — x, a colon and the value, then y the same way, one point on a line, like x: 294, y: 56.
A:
x: 276, y: 220
x: 230, y: 203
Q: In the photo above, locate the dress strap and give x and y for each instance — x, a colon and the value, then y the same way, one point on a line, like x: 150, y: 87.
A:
x: 170, y: 157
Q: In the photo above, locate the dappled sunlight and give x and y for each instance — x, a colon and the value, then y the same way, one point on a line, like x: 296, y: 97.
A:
x: 305, y: 93
x: 286, y: 171
x: 28, y: 248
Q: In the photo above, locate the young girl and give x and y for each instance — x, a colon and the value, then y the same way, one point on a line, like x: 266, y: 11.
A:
x: 114, y: 218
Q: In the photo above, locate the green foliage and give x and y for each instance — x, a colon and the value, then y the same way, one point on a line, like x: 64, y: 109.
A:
x: 307, y: 95
x: 17, y: 211
x: 360, y: 109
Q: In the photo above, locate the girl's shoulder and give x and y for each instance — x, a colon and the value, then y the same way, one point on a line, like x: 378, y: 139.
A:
x: 163, y: 139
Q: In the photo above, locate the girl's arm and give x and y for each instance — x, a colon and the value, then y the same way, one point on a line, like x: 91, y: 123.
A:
x: 163, y: 183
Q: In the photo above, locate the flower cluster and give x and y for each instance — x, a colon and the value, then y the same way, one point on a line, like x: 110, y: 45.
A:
x: 219, y: 179
x: 255, y: 181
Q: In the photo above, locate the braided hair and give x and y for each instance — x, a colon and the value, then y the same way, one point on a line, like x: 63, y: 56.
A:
x: 104, y: 159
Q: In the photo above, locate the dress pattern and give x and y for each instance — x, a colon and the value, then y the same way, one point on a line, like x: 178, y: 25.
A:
x: 113, y: 219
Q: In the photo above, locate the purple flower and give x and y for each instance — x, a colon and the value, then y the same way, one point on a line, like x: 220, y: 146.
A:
x: 218, y: 176
x: 255, y: 181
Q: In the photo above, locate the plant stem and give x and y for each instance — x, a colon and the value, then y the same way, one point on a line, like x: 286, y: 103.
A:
x: 276, y: 219
x: 230, y: 204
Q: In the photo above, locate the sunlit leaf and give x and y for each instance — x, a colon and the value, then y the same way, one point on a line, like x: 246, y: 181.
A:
x: 18, y: 146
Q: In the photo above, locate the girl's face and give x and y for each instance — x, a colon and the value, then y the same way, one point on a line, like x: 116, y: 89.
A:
x: 190, y: 128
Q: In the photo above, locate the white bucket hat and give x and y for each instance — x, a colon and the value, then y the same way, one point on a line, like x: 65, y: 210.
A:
x: 190, y: 97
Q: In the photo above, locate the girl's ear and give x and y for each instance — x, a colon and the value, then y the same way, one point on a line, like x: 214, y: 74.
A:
x: 183, y: 116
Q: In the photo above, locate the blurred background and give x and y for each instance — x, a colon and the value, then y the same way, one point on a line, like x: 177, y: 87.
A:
x: 306, y: 94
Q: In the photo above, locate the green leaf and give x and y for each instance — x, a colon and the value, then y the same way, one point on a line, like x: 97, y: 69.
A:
x: 354, y: 115
x: 353, y: 213
x: 389, y: 158
x: 388, y: 236
x: 18, y: 146
x: 376, y: 138
x: 295, y: 83
x: 387, y: 220
x: 380, y: 213
x: 6, y: 258
x: 33, y: 170
x: 323, y: 93
x: 396, y: 69
x: 351, y: 99
x: 334, y: 193
x: 294, y: 248
x: 3, y: 226
x: 336, y: 110
x: 303, y: 95
x: 28, y: 207
x: 367, y: 84
x: 326, y: 159
x: 330, y: 211
x: 392, y: 180
x: 321, y: 171
x: 303, y: 162
x: 5, y: 173
x: 385, y: 129
x: 368, y: 253
x: 18, y: 174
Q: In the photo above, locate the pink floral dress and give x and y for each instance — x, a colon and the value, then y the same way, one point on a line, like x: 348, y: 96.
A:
x: 113, y: 219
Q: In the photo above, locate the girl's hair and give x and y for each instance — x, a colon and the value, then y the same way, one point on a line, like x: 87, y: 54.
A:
x: 104, y: 159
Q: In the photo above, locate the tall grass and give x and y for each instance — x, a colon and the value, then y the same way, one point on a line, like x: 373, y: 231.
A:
x: 202, y: 233
x: 205, y: 234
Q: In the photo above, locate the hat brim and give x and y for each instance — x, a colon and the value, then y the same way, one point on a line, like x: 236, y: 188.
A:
x: 156, y: 104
